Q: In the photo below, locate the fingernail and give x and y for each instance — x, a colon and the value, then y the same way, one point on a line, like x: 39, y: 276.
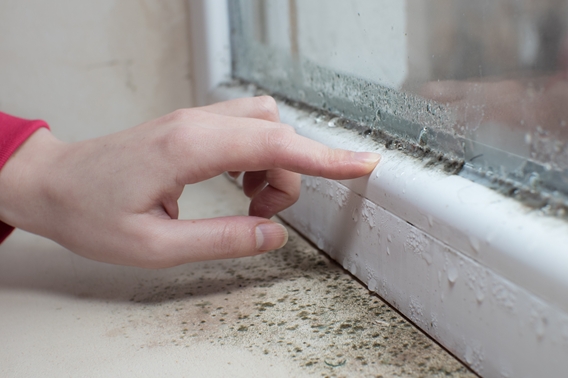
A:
x: 270, y: 236
x: 367, y: 157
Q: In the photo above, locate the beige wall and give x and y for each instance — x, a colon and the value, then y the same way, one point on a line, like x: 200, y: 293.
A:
x: 93, y: 67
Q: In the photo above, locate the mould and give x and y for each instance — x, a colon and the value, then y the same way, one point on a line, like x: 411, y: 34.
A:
x: 294, y: 305
x: 533, y: 184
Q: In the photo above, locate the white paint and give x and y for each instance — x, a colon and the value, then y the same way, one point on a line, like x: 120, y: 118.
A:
x: 475, y: 312
x: 502, y: 303
x: 513, y: 323
x: 211, y: 48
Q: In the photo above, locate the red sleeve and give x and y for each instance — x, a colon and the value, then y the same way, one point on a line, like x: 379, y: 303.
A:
x: 13, y: 132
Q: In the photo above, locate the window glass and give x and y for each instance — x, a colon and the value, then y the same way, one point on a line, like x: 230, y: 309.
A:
x: 480, y: 85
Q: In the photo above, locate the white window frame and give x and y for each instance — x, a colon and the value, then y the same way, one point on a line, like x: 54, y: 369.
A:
x: 479, y: 272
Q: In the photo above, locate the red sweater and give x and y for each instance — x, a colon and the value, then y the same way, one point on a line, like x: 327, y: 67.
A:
x: 13, y: 132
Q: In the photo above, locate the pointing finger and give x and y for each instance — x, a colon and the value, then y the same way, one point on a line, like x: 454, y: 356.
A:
x: 261, y: 148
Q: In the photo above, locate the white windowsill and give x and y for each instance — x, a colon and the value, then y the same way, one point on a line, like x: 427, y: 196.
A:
x: 479, y: 272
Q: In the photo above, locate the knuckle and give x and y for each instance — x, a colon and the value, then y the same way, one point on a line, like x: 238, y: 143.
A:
x: 287, y: 185
x: 279, y: 140
x: 334, y: 156
x: 181, y: 115
x: 287, y: 198
x: 288, y: 128
x: 224, y: 240
x: 229, y: 242
x: 267, y: 108
x: 329, y: 158
x: 175, y: 141
x: 294, y: 194
x: 177, y: 133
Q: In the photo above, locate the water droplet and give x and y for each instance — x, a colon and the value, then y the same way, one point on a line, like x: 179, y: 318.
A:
x: 480, y: 295
x: 320, y: 243
x: 540, y: 326
x: 332, y: 122
x: 534, y: 180
x: 423, y: 137
x: 563, y: 123
x: 558, y: 146
x: 353, y: 269
x: 430, y: 220
x: 427, y: 257
x: 378, y: 115
x: 388, y: 251
x: 505, y: 374
x: 469, y: 355
x: 528, y: 138
x: 491, y: 236
x: 452, y: 274
x: 373, y: 284
x: 355, y: 215
x: 474, y: 243
x: 389, y: 238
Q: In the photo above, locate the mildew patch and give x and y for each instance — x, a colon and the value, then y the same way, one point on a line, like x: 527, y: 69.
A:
x: 293, y: 305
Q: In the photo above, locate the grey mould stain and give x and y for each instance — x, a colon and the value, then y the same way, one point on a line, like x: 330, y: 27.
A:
x: 295, y: 305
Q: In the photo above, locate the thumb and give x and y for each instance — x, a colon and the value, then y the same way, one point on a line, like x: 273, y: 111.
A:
x: 184, y: 241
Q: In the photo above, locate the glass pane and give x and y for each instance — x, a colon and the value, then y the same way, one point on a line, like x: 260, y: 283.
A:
x: 481, y: 84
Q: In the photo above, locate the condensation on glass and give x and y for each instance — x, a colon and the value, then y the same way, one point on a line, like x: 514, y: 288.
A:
x: 483, y: 82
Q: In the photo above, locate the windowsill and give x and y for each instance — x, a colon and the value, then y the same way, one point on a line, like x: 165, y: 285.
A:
x: 271, y: 315
x: 479, y: 272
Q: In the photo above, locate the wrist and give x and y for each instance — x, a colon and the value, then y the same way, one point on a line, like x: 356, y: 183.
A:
x: 24, y: 181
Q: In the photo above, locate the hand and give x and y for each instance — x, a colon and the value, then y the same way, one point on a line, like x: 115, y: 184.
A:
x: 114, y: 199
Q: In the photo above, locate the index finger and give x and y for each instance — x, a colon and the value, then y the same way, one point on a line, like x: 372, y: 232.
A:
x: 258, y: 148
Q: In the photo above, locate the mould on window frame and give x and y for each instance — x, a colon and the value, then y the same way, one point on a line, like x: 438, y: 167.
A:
x: 531, y: 193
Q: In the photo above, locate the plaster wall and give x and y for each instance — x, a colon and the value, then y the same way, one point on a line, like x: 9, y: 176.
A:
x: 90, y: 68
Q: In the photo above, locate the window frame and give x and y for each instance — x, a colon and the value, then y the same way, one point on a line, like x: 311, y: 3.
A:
x: 479, y: 272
